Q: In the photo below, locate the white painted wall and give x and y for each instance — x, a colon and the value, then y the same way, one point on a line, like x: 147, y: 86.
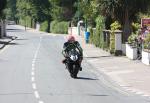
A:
x: 131, y: 52
x: 145, y: 57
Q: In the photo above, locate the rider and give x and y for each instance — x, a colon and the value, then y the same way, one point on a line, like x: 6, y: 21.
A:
x: 68, y: 46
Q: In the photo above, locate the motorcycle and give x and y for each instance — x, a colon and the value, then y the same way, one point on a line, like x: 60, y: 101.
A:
x: 72, y: 63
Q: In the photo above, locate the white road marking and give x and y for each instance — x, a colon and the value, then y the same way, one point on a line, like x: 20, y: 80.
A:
x: 41, y: 102
x: 32, y: 79
x: 36, y: 93
x: 34, y: 86
x: 33, y: 65
x: 32, y: 73
x: 33, y: 68
x: 33, y: 62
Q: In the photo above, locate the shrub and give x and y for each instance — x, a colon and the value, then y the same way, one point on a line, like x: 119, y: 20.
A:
x: 114, y: 26
x: 25, y: 21
x: 59, y: 27
x: 135, y: 27
x: 98, y: 37
x: 147, y: 42
x: 44, y: 26
x: 53, y: 26
x: 91, y: 34
x: 132, y: 38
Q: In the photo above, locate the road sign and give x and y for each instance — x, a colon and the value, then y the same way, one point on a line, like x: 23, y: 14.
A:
x: 145, y: 22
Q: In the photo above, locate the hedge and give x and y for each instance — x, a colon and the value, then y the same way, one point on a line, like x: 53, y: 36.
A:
x: 59, y: 27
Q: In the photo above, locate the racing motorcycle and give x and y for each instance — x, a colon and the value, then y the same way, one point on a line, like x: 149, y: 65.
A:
x: 72, y: 63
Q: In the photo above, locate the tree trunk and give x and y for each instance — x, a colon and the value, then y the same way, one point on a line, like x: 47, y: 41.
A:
x: 48, y: 28
x: 126, y: 26
x: 31, y: 22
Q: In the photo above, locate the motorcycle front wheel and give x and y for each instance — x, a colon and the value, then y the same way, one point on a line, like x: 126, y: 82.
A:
x: 75, y: 70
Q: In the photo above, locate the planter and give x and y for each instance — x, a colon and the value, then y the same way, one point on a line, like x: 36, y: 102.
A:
x: 146, y: 57
x: 131, y: 52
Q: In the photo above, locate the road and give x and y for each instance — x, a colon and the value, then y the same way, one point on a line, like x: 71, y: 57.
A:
x: 31, y: 72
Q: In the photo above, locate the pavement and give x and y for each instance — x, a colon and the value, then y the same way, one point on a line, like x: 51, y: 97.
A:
x: 131, y: 75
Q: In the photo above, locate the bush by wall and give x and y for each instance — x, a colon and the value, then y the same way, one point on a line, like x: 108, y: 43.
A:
x: 59, y: 27
x: 114, y: 26
x: 98, y: 36
x: 44, y: 26
x: 25, y: 21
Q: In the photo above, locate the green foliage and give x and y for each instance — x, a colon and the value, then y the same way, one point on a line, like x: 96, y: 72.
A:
x: 44, y: 26
x: 98, y: 37
x: 114, y: 26
x: 89, y: 11
x: 135, y: 27
x: 147, y: 42
x: 59, y: 27
x: 63, y: 10
x: 25, y: 21
x: 53, y: 26
x: 134, y: 35
x: 2, y: 7
x: 2, y: 4
x: 91, y: 34
x: 11, y: 10
x: 132, y: 38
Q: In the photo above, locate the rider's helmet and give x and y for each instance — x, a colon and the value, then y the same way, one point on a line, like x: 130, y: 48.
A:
x: 70, y: 38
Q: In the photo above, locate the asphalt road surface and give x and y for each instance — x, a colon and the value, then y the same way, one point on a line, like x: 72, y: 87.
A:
x: 31, y: 72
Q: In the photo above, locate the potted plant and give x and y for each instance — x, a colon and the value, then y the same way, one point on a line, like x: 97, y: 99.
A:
x: 131, y: 46
x: 146, y: 50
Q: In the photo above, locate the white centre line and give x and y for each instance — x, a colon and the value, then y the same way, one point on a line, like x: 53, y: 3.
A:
x: 33, y: 65
x: 32, y: 73
x: 33, y: 68
x: 41, y: 102
x: 36, y: 93
x: 34, y: 86
x: 32, y: 79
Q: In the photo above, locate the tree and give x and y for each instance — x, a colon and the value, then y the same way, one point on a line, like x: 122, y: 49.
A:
x: 124, y: 11
x: 63, y: 10
x: 41, y: 11
x: 2, y: 6
x: 11, y: 10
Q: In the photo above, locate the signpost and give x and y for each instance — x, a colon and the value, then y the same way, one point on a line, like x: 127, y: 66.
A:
x: 145, y: 22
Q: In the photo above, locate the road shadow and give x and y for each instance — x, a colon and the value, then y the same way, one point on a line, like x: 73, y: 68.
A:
x: 9, y: 37
x: 94, y: 57
x: 21, y: 39
x: 13, y: 44
x: 86, y: 78
x: 14, y: 30
x: 3, y: 42
x: 98, y: 95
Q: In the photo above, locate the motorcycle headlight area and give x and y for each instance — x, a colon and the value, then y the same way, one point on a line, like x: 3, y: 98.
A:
x: 74, y: 57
